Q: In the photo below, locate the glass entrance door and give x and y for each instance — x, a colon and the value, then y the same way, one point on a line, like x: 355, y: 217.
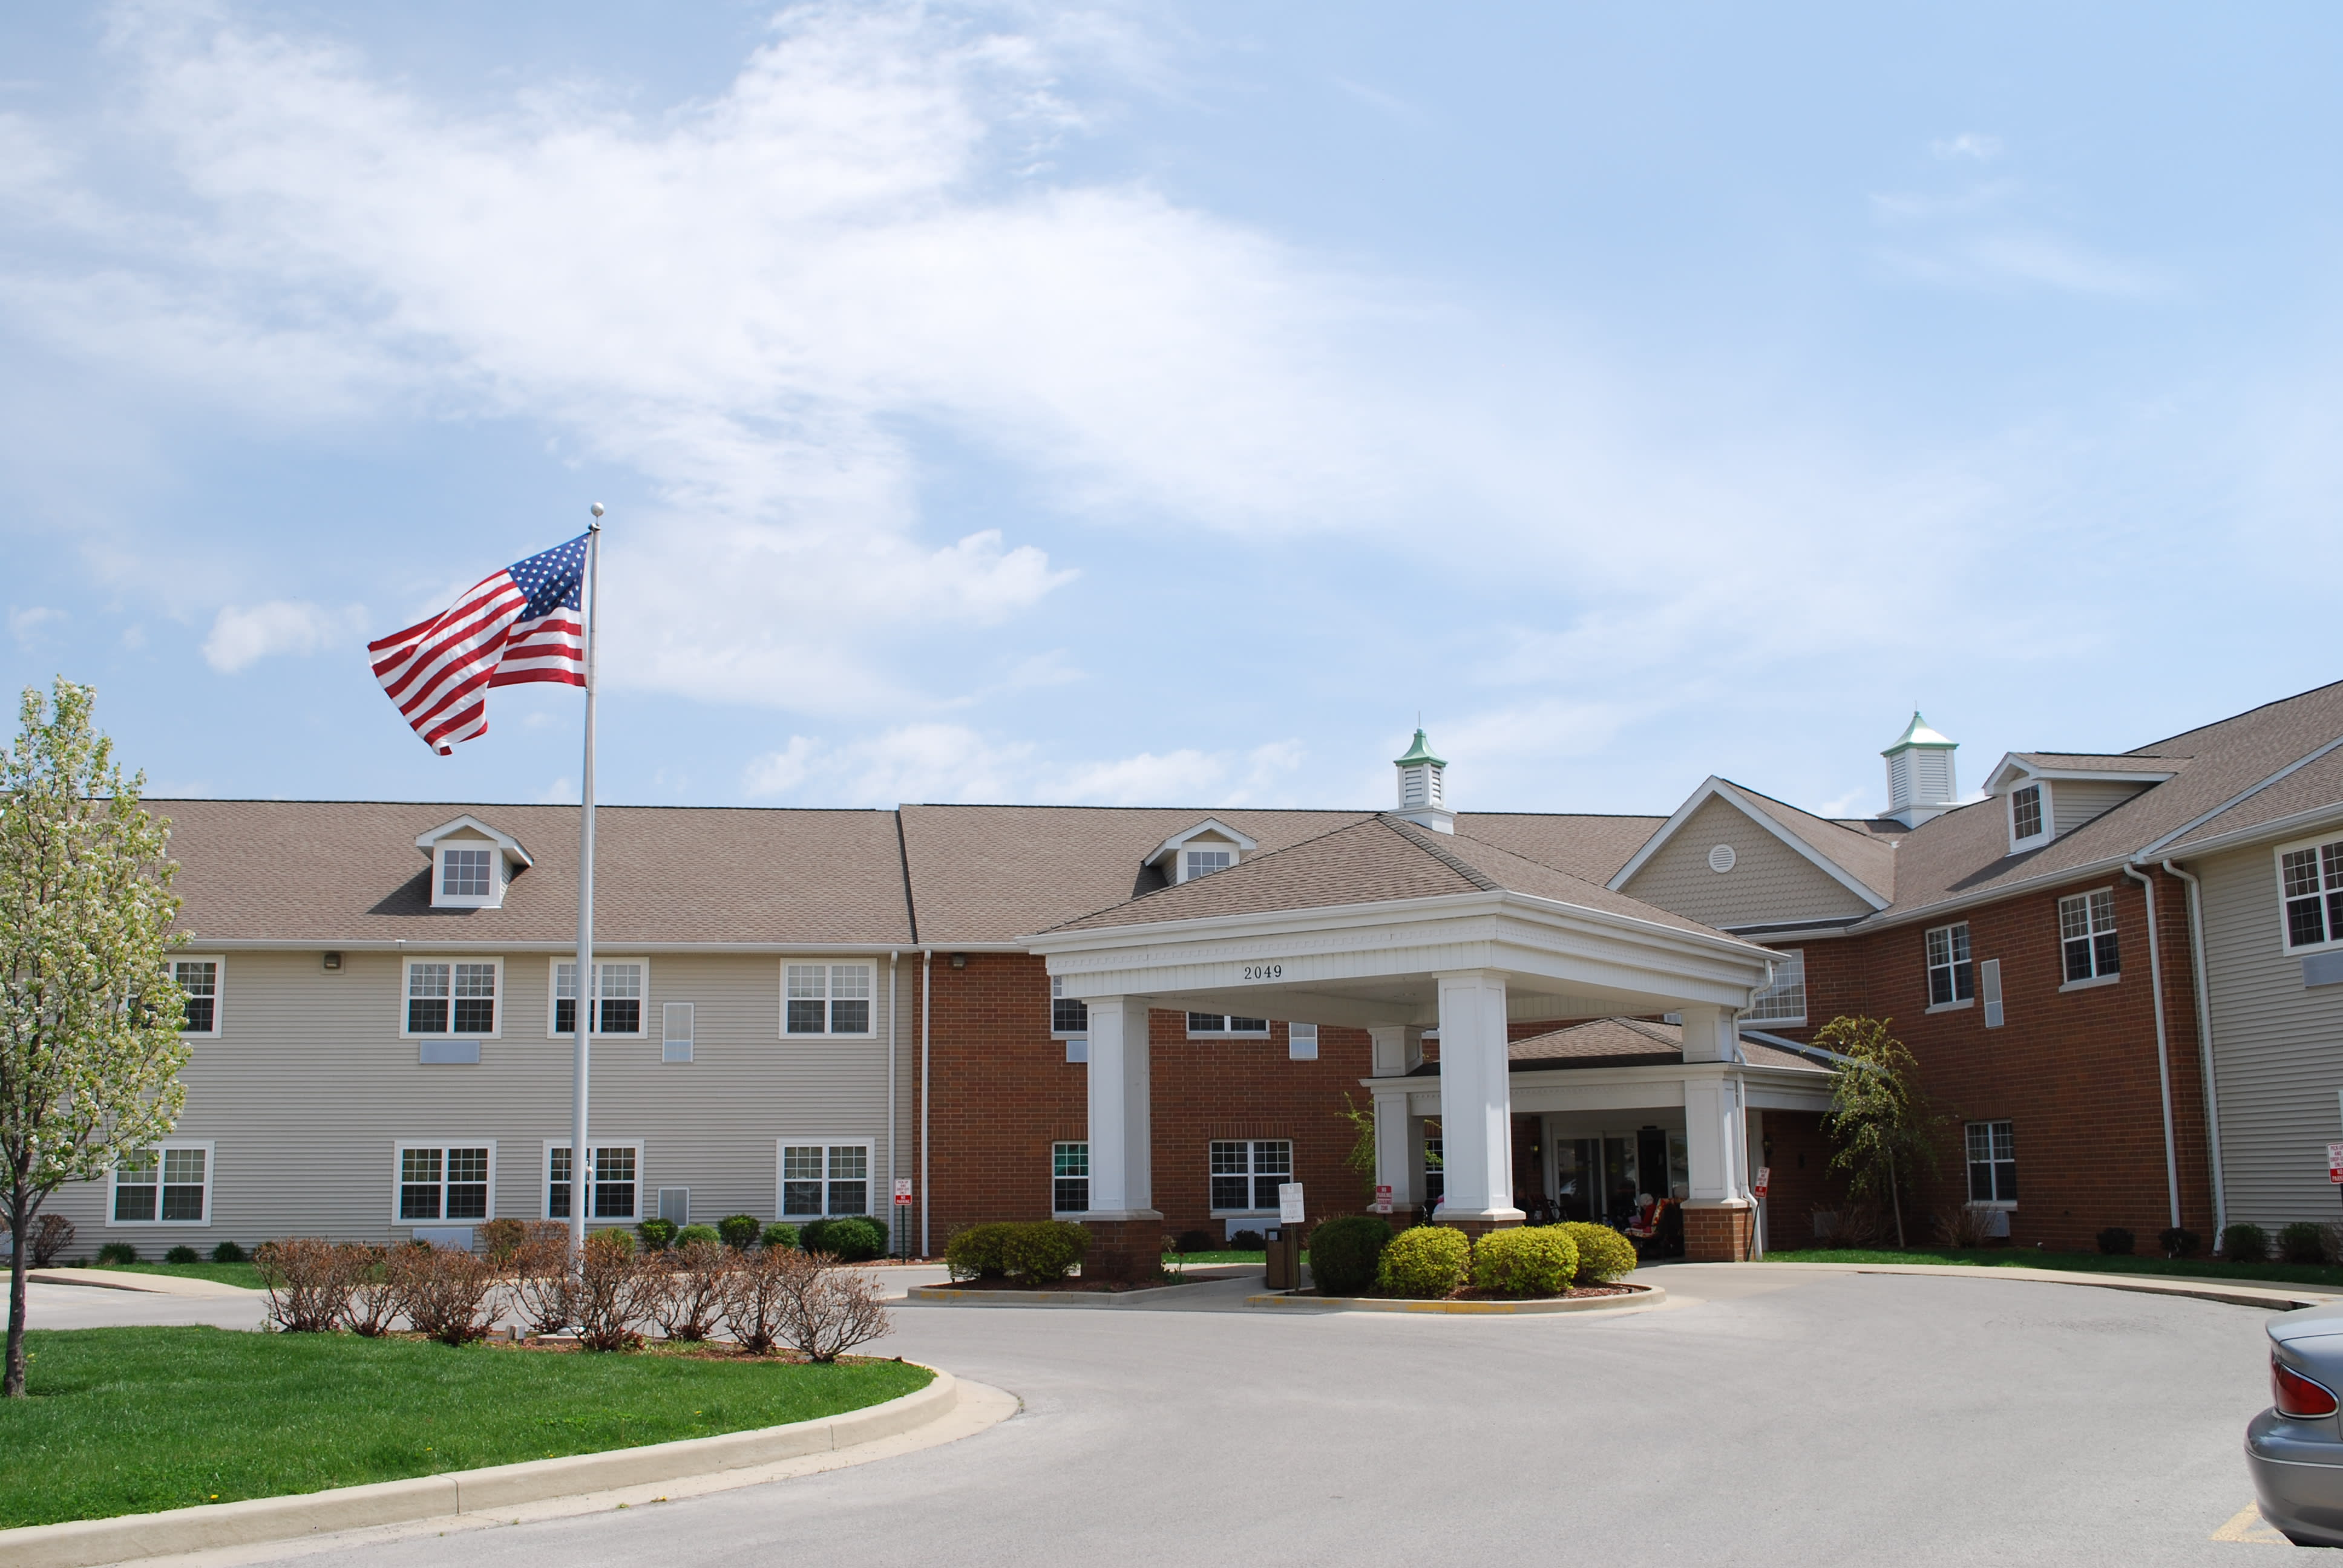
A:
x: 1578, y: 1177
x: 1619, y: 1174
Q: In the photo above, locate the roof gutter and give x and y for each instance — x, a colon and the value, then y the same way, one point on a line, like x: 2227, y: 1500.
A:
x: 2204, y: 1043
x: 2163, y: 1055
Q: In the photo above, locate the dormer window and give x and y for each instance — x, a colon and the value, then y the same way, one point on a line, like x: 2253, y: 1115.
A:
x: 2025, y: 813
x: 1210, y: 846
x: 472, y: 864
x: 465, y: 873
x: 1195, y: 863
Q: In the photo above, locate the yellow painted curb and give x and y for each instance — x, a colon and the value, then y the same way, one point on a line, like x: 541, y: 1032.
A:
x: 1646, y: 1296
x: 965, y: 1297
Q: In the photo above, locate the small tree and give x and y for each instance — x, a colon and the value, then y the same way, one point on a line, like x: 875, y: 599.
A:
x: 1877, y: 1118
x: 89, y: 1016
x: 1361, y: 1156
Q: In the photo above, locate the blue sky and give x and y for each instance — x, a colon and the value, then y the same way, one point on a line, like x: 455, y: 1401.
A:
x: 1166, y: 404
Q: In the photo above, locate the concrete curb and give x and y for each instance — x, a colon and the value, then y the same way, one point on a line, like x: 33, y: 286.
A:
x: 952, y: 1295
x: 1646, y: 1296
x: 142, y: 1284
x: 2272, y: 1295
x: 83, y: 1543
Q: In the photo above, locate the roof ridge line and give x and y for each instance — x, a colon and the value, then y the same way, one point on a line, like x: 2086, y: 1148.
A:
x: 1417, y: 836
x: 1152, y: 892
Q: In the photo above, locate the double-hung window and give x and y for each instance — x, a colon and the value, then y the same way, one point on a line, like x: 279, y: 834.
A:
x: 826, y: 999
x: 2310, y: 881
x: 1435, y: 1171
x: 1993, y: 1162
x: 1951, y: 978
x: 198, y: 982
x: 1195, y: 863
x: 1214, y: 1023
x: 1785, y: 1000
x: 1067, y: 1015
x: 442, y: 1182
x: 613, y: 1186
x: 1070, y: 1178
x: 2086, y: 931
x: 167, y: 1184
x: 444, y: 996
x: 1247, y: 1173
x: 467, y: 873
x: 820, y: 1181
x: 2025, y: 817
x: 618, y: 997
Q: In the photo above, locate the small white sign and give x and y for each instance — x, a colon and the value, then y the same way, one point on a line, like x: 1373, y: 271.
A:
x: 903, y: 1188
x: 1764, y: 1180
x: 2334, y: 1162
x: 1289, y: 1203
x: 1383, y: 1198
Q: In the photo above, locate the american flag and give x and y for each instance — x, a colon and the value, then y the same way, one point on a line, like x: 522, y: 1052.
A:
x: 519, y: 624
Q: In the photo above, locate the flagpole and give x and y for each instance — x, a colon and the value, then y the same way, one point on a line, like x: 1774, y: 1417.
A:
x: 583, y: 987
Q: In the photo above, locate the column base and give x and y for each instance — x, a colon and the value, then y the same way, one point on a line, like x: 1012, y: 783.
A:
x: 1479, y: 1222
x: 1720, y: 1231
x: 1126, y: 1246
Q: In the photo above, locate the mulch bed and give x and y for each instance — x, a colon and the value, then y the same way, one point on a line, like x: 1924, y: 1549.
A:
x: 1097, y: 1287
x: 1471, y: 1293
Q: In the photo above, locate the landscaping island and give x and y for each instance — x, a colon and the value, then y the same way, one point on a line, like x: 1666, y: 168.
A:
x: 141, y: 1420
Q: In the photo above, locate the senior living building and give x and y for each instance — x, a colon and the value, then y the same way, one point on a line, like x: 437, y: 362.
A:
x: 2121, y: 975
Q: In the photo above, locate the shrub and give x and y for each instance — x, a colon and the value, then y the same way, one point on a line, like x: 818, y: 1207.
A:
x: 1968, y: 1225
x: 500, y: 1239
x: 691, y: 1233
x: 2302, y: 1242
x: 824, y: 1310
x: 308, y: 1282
x: 2116, y: 1241
x: 978, y: 1252
x: 536, y: 1271
x: 618, y: 1238
x: 182, y: 1253
x: 1532, y: 1261
x: 658, y: 1233
x: 227, y: 1252
x: 1604, y: 1254
x: 1344, y: 1253
x: 742, y: 1231
x: 854, y: 1240
x: 52, y: 1234
x: 2244, y: 1243
x: 1193, y: 1241
x: 614, y: 1293
x: 448, y: 1294
x: 689, y: 1301
x: 1424, y: 1261
x: 376, y: 1298
x: 1248, y: 1242
x: 1044, y: 1252
x: 779, y: 1234
x: 117, y: 1252
x: 2178, y: 1243
x: 756, y: 1297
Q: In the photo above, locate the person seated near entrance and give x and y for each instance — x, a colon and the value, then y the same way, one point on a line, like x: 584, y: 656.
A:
x: 1646, y: 1220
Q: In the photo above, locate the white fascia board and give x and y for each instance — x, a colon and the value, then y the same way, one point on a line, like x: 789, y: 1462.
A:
x: 1209, y: 825
x: 426, y: 842
x: 2011, y: 771
x: 1722, y: 790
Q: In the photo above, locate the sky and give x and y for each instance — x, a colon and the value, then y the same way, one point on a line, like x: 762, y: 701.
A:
x: 1173, y: 404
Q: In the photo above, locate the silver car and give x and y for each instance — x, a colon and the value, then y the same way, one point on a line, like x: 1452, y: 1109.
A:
x: 2296, y: 1448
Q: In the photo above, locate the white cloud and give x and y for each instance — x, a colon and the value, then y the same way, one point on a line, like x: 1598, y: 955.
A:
x: 1972, y: 146
x: 954, y: 763
x: 243, y: 637
x: 26, y: 624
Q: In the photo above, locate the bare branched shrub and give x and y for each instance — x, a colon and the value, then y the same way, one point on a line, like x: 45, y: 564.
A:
x: 1966, y: 1225
x: 375, y: 1302
x: 757, y: 1296
x: 499, y: 1239
x: 1859, y: 1225
x: 50, y: 1234
x: 308, y: 1282
x: 827, y: 1309
x: 615, y: 1293
x: 449, y: 1295
x: 537, y: 1272
x: 689, y: 1303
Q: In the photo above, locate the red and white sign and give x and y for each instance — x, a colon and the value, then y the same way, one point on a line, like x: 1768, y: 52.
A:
x: 2335, y: 1164
x: 1764, y: 1180
x: 1383, y: 1198
x: 903, y: 1188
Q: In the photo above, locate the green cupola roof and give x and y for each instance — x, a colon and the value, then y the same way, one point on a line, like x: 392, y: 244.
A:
x: 1917, y: 733
x: 1418, y: 752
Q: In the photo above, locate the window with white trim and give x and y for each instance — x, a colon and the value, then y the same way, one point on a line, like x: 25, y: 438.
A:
x: 826, y: 999
x: 466, y: 874
x: 1247, y: 1172
x: 2087, y: 935
x: 198, y: 982
x: 1435, y: 1170
x: 164, y: 1184
x: 1203, y: 861
x: 448, y: 995
x: 442, y: 1182
x: 2310, y: 882
x: 1993, y: 1162
x: 619, y: 987
x: 1068, y: 1014
x: 1301, y: 1042
x: 1784, y: 1000
x: 1951, y: 978
x: 2029, y: 813
x: 1214, y: 1023
x: 675, y: 1031
x: 1070, y: 1178
x: 824, y: 1181
x: 616, y: 1187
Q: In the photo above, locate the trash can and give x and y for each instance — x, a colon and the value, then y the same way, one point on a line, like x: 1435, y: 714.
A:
x: 1285, y: 1258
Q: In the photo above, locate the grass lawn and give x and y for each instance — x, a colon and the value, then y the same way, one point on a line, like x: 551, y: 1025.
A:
x: 132, y: 1421
x: 2081, y: 1262
x: 243, y: 1274
x: 1226, y: 1256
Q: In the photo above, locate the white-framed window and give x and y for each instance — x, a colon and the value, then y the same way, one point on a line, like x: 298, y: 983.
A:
x: 1301, y: 1042
x: 166, y: 1183
x: 466, y: 874
x: 1247, y: 1172
x: 614, y: 1188
x: 451, y: 997
x: 1067, y: 1015
x: 1785, y: 1000
x: 1435, y: 1171
x: 1202, y: 860
x: 1070, y: 1178
x: 1990, y: 980
x: 2310, y: 892
x: 1993, y: 1163
x: 436, y: 1179
x: 821, y: 1179
x: 2086, y: 936
x: 675, y: 1031
x: 2029, y: 816
x: 619, y: 988
x: 826, y: 999
x: 199, y: 982
x: 1213, y: 1025
x: 1951, y: 978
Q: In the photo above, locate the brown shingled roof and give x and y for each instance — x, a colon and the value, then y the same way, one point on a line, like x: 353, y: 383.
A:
x: 1867, y: 858
x: 1630, y: 1043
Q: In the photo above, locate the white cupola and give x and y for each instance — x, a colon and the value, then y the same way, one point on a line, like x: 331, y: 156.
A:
x: 1423, y: 794
x: 1920, y: 774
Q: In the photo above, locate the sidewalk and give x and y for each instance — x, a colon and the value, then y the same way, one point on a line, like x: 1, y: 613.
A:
x: 2269, y: 1294
x: 146, y: 1284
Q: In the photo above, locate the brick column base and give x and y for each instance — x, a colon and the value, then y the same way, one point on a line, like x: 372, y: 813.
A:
x: 1717, y: 1232
x: 1125, y: 1250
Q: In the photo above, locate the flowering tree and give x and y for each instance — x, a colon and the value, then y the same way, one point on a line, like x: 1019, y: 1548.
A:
x: 1877, y: 1118
x: 89, y: 1016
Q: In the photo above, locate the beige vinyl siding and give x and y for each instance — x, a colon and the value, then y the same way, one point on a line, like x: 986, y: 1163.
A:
x: 306, y: 1091
x: 2278, y: 1050
x: 2074, y: 801
x: 1769, y: 880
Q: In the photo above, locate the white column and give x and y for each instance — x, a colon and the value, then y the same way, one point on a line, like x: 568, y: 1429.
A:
x: 1399, y: 1158
x: 1122, y: 1180
x: 1476, y: 1100
x: 1714, y: 1141
x: 1398, y: 1049
x: 1710, y: 1034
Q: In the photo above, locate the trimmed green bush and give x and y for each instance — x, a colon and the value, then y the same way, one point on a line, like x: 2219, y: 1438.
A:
x: 117, y: 1252
x: 2178, y: 1243
x: 2115, y: 1241
x: 1425, y: 1262
x: 691, y: 1233
x: 622, y: 1239
x: 977, y: 1253
x: 1195, y: 1242
x: 2244, y: 1243
x: 182, y: 1253
x: 1344, y: 1253
x: 1604, y: 1254
x: 658, y: 1233
x: 1532, y: 1261
x: 851, y: 1241
x: 778, y: 1234
x: 1248, y: 1242
x: 1044, y: 1252
x: 227, y: 1252
x: 2302, y: 1242
x: 741, y: 1231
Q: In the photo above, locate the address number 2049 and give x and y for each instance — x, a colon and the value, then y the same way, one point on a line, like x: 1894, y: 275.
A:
x: 1264, y: 972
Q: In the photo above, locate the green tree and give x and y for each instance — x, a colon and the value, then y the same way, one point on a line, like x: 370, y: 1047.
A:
x: 1361, y: 1156
x: 89, y: 1015
x: 1877, y: 1118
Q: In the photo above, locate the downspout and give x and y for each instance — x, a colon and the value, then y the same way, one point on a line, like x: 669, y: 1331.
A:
x: 927, y: 1020
x: 2205, y: 1044
x: 894, y: 1113
x: 2162, y: 1056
